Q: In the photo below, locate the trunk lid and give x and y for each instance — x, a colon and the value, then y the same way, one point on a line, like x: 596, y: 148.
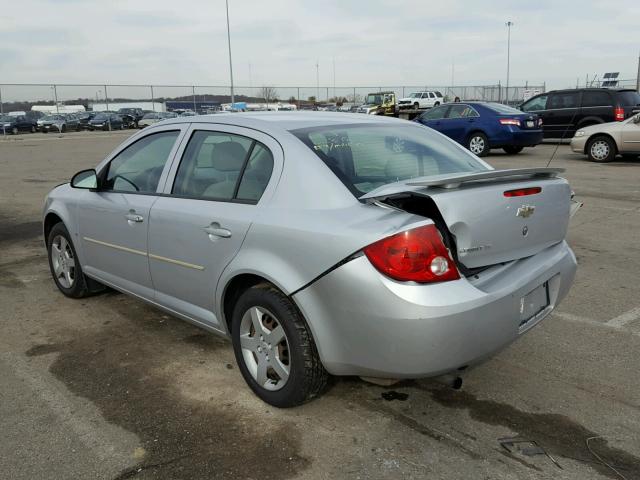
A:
x: 487, y: 226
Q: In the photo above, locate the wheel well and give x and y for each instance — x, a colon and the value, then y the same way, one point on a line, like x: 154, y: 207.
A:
x: 587, y: 144
x: 49, y: 221
x: 236, y: 287
x: 475, y: 131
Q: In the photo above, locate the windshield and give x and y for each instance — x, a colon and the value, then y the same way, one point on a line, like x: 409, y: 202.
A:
x: 415, y: 95
x: 499, y: 108
x: 374, y: 99
x: 150, y: 115
x: 52, y: 117
x: 365, y: 157
x: 6, y: 118
x: 101, y: 116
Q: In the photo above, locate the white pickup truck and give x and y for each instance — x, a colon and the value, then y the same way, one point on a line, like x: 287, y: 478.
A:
x: 420, y: 100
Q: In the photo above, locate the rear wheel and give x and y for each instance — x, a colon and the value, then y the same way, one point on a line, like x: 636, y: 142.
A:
x: 63, y: 129
x: 274, y: 348
x: 63, y: 263
x: 416, y: 105
x: 478, y: 144
x: 33, y: 129
x: 436, y: 104
x: 601, y: 149
x: 511, y: 150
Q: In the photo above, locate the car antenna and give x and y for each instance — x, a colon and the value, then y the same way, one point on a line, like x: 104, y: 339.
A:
x: 553, y: 154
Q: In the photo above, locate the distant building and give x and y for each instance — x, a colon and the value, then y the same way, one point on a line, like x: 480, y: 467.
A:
x: 115, y: 106
x: 49, y: 109
x: 198, y: 107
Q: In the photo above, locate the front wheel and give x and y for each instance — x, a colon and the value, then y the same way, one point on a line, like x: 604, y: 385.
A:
x: 437, y: 104
x: 63, y: 263
x: 511, y: 150
x: 478, y: 144
x: 33, y: 129
x: 274, y: 348
x: 602, y: 150
x: 14, y: 130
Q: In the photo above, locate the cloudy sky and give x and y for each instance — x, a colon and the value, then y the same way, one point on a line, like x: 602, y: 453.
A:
x: 277, y: 42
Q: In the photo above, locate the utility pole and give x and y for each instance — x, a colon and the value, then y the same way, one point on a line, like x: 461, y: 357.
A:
x: 638, y: 77
x: 1, y: 111
x: 230, y: 63
x: 55, y: 98
x: 317, y: 81
x: 153, y: 100
x: 193, y: 90
x: 509, y: 24
x: 334, y: 77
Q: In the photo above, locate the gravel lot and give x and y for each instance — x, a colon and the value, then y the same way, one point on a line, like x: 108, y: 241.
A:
x: 107, y: 387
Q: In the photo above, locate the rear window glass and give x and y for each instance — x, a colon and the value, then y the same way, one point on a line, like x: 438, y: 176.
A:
x: 629, y: 98
x: 365, y: 157
x: 596, y: 99
x: 499, y: 108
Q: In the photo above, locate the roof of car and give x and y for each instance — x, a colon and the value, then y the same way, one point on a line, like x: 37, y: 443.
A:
x: 270, y: 121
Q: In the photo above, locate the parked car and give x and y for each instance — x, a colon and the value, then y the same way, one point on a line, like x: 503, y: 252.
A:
x: 566, y: 111
x: 602, y: 142
x: 379, y: 103
x: 106, y: 121
x: 72, y: 121
x: 84, y: 118
x: 17, y: 123
x: 131, y: 116
x: 421, y: 100
x: 154, y: 117
x: 56, y: 123
x: 388, y: 264
x: 481, y: 126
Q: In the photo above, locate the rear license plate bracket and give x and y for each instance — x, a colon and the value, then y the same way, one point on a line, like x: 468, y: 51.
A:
x: 533, y: 303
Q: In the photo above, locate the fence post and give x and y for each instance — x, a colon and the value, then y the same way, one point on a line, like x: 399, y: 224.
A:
x: 106, y: 101
x: 1, y: 111
x: 193, y: 90
x: 354, y: 94
x: 153, y: 102
x: 327, y: 94
x: 298, y: 97
x: 55, y: 97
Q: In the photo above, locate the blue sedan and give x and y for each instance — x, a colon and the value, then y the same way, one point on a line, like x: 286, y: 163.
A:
x: 481, y: 126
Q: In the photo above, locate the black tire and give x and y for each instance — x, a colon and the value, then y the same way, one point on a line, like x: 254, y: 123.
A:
x: 33, y: 129
x: 437, y: 104
x: 63, y: 129
x: 307, y: 376
x: 511, y: 150
x: 78, y: 288
x: 478, y: 144
x: 416, y: 105
x: 601, y: 149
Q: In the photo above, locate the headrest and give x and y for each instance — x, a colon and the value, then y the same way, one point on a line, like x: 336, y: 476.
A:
x: 228, y: 156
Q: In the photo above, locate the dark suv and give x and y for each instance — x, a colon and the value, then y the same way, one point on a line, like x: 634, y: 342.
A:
x: 565, y: 111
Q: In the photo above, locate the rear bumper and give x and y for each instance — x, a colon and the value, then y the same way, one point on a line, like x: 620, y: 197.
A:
x: 367, y: 324
x: 517, y: 138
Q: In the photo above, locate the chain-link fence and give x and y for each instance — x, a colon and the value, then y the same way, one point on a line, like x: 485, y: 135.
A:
x: 203, y: 98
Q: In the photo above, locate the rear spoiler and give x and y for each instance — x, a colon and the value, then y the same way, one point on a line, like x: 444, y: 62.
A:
x: 457, y: 179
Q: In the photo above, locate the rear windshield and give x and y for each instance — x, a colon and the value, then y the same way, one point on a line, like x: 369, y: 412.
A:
x: 366, y: 156
x: 499, y: 108
x: 629, y: 98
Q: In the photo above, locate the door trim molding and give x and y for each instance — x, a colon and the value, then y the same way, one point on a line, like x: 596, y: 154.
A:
x: 117, y: 247
x: 176, y: 262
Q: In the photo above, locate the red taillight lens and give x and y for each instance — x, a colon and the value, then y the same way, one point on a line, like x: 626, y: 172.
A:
x: 510, y: 121
x: 619, y: 114
x: 521, y: 192
x: 417, y: 255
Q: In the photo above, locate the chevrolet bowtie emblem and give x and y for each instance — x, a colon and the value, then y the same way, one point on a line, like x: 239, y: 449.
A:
x: 525, y: 211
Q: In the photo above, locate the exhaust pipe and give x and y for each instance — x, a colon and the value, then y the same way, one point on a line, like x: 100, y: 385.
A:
x: 450, y: 380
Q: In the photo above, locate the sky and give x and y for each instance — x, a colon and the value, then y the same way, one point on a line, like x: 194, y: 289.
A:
x: 278, y: 42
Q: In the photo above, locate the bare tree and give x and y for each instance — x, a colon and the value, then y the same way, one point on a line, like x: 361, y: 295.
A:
x: 269, y: 94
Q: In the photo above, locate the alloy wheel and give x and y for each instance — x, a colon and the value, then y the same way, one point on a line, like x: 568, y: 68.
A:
x: 476, y: 145
x: 64, y: 266
x: 265, y: 348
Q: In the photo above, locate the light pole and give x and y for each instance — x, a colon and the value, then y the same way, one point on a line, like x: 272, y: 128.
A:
x: 509, y: 24
x: 317, y: 81
x: 230, y: 64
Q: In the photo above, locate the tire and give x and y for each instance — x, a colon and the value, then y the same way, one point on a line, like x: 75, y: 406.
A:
x: 601, y: 149
x: 63, y: 263
x: 416, y: 106
x: 33, y: 129
x: 265, y: 307
x: 63, y: 129
x: 478, y: 144
x: 437, y: 104
x: 511, y: 150
x: 14, y: 131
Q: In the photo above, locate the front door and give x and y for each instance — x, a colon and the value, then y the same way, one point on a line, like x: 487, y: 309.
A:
x: 563, y: 110
x: 113, y: 221
x: 199, y: 224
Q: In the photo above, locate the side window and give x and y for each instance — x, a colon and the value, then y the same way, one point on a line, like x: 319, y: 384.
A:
x: 435, y: 113
x: 461, y: 111
x: 213, y: 163
x: 596, y: 99
x: 138, y: 167
x: 563, y: 100
x: 535, y: 104
x: 431, y: 95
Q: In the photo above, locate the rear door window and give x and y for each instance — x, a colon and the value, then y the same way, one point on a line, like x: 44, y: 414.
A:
x: 462, y: 111
x: 596, y: 99
x: 629, y: 98
x: 562, y: 100
x: 435, y: 113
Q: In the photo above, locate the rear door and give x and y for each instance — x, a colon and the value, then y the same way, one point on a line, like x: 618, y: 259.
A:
x: 216, y: 188
x: 630, y: 137
x: 597, y: 105
x: 562, y: 115
x: 460, y: 120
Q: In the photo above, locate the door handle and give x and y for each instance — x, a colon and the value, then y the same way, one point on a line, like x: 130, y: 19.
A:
x: 214, y: 230
x: 132, y: 216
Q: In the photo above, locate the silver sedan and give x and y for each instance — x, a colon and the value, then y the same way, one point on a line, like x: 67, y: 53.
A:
x: 319, y: 243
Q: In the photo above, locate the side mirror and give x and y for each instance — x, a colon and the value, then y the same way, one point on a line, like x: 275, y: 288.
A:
x: 86, y: 179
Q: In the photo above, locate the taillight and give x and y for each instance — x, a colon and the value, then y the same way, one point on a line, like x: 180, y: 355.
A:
x: 618, y: 114
x: 510, y: 121
x: 417, y: 255
x: 522, y: 192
